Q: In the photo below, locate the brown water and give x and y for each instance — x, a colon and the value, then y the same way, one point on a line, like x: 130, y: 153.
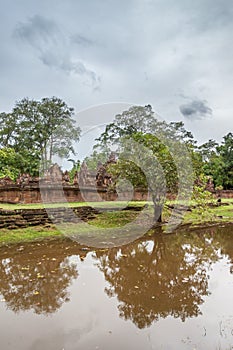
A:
x: 159, y: 292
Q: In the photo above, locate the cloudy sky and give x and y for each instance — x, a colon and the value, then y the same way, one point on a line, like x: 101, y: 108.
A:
x: 175, y: 55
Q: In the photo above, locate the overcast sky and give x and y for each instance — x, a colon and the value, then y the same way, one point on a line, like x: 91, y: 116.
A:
x: 175, y: 55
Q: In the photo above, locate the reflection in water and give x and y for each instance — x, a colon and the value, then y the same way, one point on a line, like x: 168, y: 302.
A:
x: 36, y: 276
x: 152, y: 278
x: 161, y: 276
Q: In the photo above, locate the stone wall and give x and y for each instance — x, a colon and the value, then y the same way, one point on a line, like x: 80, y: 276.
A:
x: 55, y: 194
x: 224, y: 194
x: 21, y: 218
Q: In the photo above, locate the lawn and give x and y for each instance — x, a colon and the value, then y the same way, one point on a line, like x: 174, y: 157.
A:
x: 104, y: 204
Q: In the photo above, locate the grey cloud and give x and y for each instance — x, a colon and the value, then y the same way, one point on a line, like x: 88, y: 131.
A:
x: 196, y: 109
x: 182, y: 46
x: 81, y: 40
x: 64, y: 63
x: 52, y: 48
x: 39, y: 32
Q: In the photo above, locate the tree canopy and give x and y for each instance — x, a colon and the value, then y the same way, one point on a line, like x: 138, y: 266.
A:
x: 151, y: 153
x: 38, y: 130
x: 218, y: 161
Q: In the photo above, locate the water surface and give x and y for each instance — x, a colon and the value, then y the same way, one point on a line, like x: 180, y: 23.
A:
x: 159, y: 292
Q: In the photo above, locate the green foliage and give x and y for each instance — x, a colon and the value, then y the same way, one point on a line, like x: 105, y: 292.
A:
x: 9, y: 163
x: 38, y: 130
x: 203, y: 199
x: 226, y: 153
x: 75, y: 168
x: 139, y: 119
x: 7, y: 129
x: 13, y: 163
x: 96, y: 158
x: 148, y: 151
x: 218, y: 161
x: 128, y: 170
x: 208, y: 150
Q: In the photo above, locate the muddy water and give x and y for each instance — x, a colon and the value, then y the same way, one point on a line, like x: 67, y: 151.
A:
x: 159, y: 292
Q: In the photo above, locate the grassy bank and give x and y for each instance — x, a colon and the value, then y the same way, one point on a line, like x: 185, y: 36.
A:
x: 28, y: 234
x: 110, y: 219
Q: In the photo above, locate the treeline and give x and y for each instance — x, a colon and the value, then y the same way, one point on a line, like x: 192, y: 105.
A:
x: 217, y: 161
x: 210, y: 160
x: 35, y: 131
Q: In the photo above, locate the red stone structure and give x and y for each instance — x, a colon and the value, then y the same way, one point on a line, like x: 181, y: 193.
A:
x: 86, y: 186
x: 52, y: 194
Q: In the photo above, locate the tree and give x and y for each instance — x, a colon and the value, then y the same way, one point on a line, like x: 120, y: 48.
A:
x: 225, y: 151
x: 208, y: 150
x: 203, y: 199
x: 61, y: 129
x: 40, y: 129
x: 96, y: 158
x: 9, y: 163
x: 75, y: 169
x: 147, y: 162
x: 7, y: 129
x: 139, y: 119
x: 152, y: 153
x: 13, y: 163
x: 218, y: 161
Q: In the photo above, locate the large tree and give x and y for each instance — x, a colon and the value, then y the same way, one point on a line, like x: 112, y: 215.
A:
x: 152, y: 153
x: 142, y: 119
x: 42, y: 128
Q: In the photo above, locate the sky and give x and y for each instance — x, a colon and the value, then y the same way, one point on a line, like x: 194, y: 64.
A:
x: 102, y: 56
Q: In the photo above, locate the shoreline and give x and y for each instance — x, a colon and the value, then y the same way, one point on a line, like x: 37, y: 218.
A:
x: 115, y: 216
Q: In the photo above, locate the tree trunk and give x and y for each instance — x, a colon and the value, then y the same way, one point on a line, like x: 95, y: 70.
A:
x: 157, y: 210
x: 51, y: 150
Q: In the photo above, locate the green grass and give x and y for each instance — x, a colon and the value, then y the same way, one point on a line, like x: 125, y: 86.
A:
x: 8, y: 206
x: 224, y: 211
x: 219, y: 214
x: 28, y: 234
x: 104, y: 204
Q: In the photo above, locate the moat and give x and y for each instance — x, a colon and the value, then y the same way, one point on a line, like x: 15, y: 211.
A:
x: 159, y: 292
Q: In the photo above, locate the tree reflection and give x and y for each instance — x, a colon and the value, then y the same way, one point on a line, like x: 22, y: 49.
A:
x: 224, y: 237
x: 36, y: 276
x: 158, y: 277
